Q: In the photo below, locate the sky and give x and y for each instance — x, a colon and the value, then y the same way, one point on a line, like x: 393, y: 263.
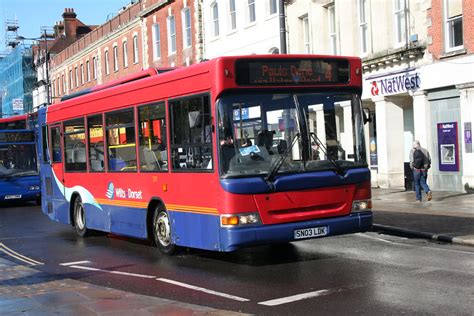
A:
x: 33, y: 14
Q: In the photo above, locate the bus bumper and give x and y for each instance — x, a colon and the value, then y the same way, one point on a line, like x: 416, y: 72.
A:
x: 235, y: 238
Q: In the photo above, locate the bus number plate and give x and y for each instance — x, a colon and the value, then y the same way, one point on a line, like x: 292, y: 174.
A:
x: 12, y: 197
x: 311, y: 232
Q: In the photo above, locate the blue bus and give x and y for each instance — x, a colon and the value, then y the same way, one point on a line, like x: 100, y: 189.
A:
x: 19, y: 173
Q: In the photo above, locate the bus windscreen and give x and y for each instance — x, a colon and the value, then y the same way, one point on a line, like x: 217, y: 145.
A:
x: 291, y: 72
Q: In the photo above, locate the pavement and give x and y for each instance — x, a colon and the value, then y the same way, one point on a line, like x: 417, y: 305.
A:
x: 26, y: 291
x: 448, y: 217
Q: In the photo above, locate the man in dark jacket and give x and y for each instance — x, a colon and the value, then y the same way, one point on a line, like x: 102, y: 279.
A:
x: 420, y: 162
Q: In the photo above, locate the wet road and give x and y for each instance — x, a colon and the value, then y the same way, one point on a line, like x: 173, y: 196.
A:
x: 363, y: 273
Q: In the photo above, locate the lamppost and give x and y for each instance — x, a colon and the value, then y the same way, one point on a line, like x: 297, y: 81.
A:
x: 46, y: 59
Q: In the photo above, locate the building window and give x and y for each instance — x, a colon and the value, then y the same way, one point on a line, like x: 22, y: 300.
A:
x: 251, y: 10
x: 171, y: 35
x: 156, y: 41
x: 125, y: 54
x: 273, y: 5
x: 306, y: 35
x: 82, y: 74
x: 76, y: 76
x: 135, y: 49
x: 64, y: 83
x: 70, y: 79
x: 232, y: 15
x: 453, y: 17
x: 363, y: 26
x: 53, y: 89
x: 94, y: 67
x: 215, y: 19
x: 186, y: 17
x: 106, y: 57
x: 400, y: 25
x: 332, y: 29
x: 88, y: 71
x: 116, y: 66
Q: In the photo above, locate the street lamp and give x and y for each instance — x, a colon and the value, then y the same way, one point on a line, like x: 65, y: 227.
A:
x: 46, y: 58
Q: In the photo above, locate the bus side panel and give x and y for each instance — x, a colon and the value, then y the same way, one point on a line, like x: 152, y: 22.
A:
x: 195, y: 230
x: 128, y: 221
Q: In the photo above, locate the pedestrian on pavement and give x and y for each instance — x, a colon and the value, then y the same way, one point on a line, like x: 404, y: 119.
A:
x: 420, y: 162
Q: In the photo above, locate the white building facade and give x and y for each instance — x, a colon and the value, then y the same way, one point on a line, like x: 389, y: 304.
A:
x: 240, y: 27
x: 409, y: 92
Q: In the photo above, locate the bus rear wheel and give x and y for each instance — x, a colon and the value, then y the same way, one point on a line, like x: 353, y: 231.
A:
x: 162, y: 232
x: 80, y: 218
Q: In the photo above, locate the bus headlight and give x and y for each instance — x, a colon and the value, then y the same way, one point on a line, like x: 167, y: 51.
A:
x: 361, y: 206
x: 34, y: 188
x: 240, y: 219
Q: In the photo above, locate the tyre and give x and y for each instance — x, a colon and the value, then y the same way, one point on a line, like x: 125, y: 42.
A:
x: 162, y: 232
x: 80, y: 218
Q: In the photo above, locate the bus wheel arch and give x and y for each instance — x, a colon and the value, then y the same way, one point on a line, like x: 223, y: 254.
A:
x: 160, y: 227
x: 78, y: 215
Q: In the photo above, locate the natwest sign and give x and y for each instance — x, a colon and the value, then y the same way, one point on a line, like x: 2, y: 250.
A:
x: 393, y: 84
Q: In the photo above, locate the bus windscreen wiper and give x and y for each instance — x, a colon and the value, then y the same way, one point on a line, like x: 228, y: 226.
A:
x: 279, y: 163
x: 333, y: 162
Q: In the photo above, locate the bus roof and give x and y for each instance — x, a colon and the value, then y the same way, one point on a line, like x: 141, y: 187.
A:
x: 219, y: 73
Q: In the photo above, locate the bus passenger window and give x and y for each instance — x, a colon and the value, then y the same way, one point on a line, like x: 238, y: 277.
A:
x: 96, y: 143
x: 56, y: 144
x: 191, y: 138
x: 153, y: 150
x: 75, y: 145
x: 121, y: 141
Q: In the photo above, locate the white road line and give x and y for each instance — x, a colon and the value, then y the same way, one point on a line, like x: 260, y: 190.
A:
x: 192, y: 287
x: 114, y: 272
x: 18, y: 256
x: 73, y: 263
x: 294, y: 298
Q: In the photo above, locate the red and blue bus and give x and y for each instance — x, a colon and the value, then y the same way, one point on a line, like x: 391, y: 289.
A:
x: 19, y: 177
x: 228, y: 153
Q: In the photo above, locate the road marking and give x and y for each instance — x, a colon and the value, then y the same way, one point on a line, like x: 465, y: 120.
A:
x: 114, y: 272
x: 18, y: 256
x: 201, y: 289
x: 74, y: 263
x: 294, y: 298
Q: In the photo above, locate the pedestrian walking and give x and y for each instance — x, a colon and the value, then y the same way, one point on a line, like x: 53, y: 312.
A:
x: 420, y: 162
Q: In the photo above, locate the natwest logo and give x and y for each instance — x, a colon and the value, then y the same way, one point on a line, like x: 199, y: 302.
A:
x: 395, y: 84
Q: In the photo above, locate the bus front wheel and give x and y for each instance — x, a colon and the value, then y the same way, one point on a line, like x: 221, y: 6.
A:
x: 80, y: 218
x: 162, y: 232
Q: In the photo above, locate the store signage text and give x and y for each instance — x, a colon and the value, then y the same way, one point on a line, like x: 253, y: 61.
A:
x: 395, y: 84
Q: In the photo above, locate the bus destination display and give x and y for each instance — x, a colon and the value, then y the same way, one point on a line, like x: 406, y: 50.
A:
x: 275, y: 72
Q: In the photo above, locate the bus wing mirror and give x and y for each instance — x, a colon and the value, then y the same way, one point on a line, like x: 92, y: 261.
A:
x: 366, y: 115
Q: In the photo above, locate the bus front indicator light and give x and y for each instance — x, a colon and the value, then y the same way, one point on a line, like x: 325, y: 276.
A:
x: 239, y: 220
x: 361, y: 206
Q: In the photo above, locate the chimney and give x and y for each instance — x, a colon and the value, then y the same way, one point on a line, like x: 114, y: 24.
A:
x: 70, y: 22
x: 58, y: 29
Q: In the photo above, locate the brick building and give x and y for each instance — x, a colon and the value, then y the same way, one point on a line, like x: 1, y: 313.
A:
x: 147, y: 33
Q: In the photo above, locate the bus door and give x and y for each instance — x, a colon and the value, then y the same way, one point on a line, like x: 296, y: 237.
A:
x: 54, y: 179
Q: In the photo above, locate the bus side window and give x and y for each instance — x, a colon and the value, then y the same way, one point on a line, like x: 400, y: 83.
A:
x: 96, y: 143
x: 75, y: 145
x: 56, y: 144
x: 121, y: 141
x: 153, y: 150
x: 44, y: 143
x: 191, y: 138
